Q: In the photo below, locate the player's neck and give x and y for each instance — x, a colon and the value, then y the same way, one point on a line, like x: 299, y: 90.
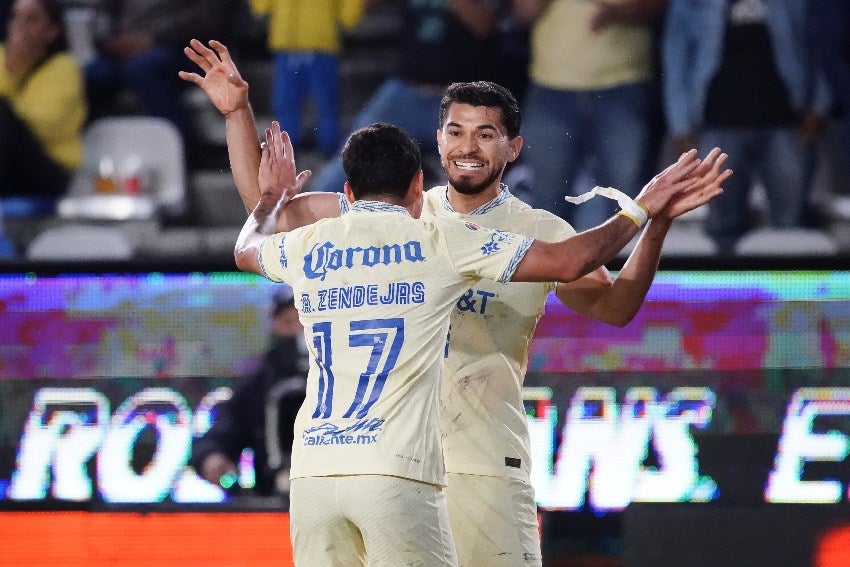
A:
x: 463, y: 203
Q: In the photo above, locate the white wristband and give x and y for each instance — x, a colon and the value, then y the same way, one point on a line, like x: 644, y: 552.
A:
x: 630, y: 208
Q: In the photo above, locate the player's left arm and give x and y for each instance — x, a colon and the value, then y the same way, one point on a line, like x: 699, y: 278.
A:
x: 616, y: 300
x: 277, y: 181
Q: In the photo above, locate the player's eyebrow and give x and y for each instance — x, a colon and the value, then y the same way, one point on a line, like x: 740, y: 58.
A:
x: 479, y: 127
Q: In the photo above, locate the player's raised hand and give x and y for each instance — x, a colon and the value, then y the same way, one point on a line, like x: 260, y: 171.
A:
x: 221, y: 80
x: 706, y: 184
x: 277, y: 179
x: 665, y: 185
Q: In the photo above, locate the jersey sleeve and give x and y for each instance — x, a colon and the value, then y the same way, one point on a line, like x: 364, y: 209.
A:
x: 272, y: 256
x: 553, y: 230
x: 550, y: 228
x: 481, y: 252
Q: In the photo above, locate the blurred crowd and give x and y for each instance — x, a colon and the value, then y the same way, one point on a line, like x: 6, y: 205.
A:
x: 607, y: 88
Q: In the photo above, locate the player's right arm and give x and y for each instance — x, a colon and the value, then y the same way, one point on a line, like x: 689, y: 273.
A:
x: 577, y: 256
x: 583, y: 253
x: 616, y: 301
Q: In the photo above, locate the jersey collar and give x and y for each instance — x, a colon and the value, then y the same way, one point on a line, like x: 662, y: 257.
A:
x: 378, y: 206
x: 504, y: 195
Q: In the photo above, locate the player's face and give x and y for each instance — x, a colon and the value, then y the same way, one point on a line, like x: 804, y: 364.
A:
x: 475, y: 147
x: 286, y: 323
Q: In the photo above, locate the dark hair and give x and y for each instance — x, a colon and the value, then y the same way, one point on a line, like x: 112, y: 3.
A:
x: 56, y: 11
x: 282, y: 299
x: 380, y: 160
x: 484, y: 93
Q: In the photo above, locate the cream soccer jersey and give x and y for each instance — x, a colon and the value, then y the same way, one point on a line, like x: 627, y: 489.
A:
x: 483, y: 419
x: 375, y: 289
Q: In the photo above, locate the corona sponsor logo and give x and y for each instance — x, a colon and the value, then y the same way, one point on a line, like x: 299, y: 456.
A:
x: 326, y: 257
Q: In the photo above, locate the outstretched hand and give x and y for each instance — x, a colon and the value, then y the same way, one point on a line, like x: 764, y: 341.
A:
x: 277, y: 179
x: 706, y: 182
x: 665, y: 185
x: 222, y: 82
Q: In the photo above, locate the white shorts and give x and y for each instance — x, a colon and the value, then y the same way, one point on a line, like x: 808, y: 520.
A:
x: 494, y: 521
x: 339, y: 521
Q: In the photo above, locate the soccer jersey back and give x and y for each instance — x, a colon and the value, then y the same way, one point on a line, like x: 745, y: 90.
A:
x: 375, y: 289
x: 483, y: 419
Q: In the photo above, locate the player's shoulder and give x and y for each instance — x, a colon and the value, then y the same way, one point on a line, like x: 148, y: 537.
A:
x: 539, y: 223
x: 454, y: 225
x: 433, y: 200
x: 313, y: 231
x: 436, y: 192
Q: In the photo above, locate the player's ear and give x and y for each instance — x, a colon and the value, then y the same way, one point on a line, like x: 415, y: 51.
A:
x: 516, y: 148
x: 349, y: 194
x: 417, y: 184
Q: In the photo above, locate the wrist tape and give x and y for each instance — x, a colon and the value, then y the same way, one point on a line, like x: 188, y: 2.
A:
x: 630, y: 208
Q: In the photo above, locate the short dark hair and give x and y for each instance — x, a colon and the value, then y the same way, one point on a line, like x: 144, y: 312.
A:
x: 282, y: 299
x: 380, y: 160
x: 484, y: 93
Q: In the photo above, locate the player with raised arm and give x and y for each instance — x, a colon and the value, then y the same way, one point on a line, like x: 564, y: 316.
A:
x: 485, y: 432
x: 375, y: 289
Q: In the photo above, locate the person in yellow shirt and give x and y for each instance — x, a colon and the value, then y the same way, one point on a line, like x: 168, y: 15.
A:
x: 591, y: 105
x: 42, y: 104
x: 305, y: 38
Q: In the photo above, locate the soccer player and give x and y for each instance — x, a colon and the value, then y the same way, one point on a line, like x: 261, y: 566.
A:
x: 375, y: 289
x: 485, y: 433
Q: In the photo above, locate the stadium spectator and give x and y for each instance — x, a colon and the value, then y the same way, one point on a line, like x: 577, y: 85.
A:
x: 42, y: 104
x: 740, y: 74
x: 139, y: 51
x: 830, y: 33
x: 591, y: 104
x: 366, y: 480
x: 260, y: 414
x: 304, y: 37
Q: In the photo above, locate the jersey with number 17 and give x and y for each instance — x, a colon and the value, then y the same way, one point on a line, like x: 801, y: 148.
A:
x: 375, y: 289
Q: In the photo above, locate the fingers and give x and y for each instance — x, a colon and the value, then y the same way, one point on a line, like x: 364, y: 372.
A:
x: 683, y: 158
x: 290, y: 190
x: 221, y: 50
x: 691, y: 199
x: 303, y: 177
x: 687, y: 164
x: 691, y: 153
x: 287, y: 145
x: 699, y: 198
x: 197, y: 59
x: 719, y: 163
x: 708, y: 162
x: 277, y: 166
x: 203, y: 56
x: 713, y: 175
x: 267, y: 147
x: 191, y: 77
x: 280, y: 146
x: 723, y: 177
x: 208, y: 54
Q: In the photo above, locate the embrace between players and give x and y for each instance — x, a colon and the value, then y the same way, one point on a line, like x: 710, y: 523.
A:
x: 412, y: 445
